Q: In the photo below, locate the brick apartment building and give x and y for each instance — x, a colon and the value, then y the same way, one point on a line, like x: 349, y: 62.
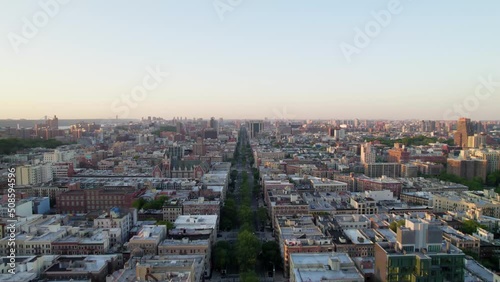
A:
x: 379, y: 184
x: 201, y: 207
x: 87, y: 200
x: 398, y: 154
x: 468, y: 169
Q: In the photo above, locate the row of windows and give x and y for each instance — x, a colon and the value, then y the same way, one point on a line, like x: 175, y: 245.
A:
x: 35, y: 246
x: 166, y: 251
x: 57, y: 247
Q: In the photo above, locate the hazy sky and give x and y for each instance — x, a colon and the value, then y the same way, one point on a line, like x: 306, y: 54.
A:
x: 256, y: 59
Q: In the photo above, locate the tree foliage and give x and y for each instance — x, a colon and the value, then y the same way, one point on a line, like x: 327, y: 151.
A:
x: 247, y: 250
x: 223, y: 255
x: 168, y: 224
x: 493, y: 179
x: 470, y: 226
x: 395, y: 224
x: 139, y: 203
x: 229, y: 215
x: 156, y: 204
x: 246, y: 214
x: 13, y: 145
x: 474, y: 184
x: 250, y: 276
x: 168, y: 128
x: 262, y: 215
x: 271, y: 253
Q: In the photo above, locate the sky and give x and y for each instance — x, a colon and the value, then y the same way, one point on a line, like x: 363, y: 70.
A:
x: 287, y: 59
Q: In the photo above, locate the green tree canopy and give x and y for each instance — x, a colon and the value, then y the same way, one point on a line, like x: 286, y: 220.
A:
x: 168, y: 224
x: 12, y: 145
x: 395, y: 224
x: 470, y: 226
x: 262, y: 215
x: 250, y: 276
x: 247, y: 250
x: 271, y: 253
x: 222, y: 254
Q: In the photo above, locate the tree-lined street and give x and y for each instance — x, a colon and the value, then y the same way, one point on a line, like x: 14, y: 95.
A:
x: 244, y: 246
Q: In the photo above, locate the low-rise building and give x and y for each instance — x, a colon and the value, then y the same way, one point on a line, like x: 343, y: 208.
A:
x: 327, y: 185
x: 201, y: 207
x: 148, y: 239
x: 76, y: 268
x: 335, y: 267
x: 285, y: 205
x: 379, y: 184
x: 197, y: 223
x: 364, y: 205
x: 300, y: 235
x: 38, y: 243
x: 117, y: 218
x: 161, y: 268
x: 86, y: 242
x: 417, y: 198
x: 185, y: 246
x: 171, y: 210
x: 460, y: 240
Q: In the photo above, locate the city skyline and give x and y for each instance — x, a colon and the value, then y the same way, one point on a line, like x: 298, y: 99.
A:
x: 280, y: 60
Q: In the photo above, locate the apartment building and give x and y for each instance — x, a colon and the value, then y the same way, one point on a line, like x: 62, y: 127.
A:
x: 473, y: 206
x: 117, y: 218
x: 300, y: 235
x: 327, y: 185
x: 171, y: 210
x: 201, y: 207
x: 87, y: 200
x: 334, y: 267
x: 39, y: 243
x: 185, y: 246
x: 419, y: 253
x: 85, y: 242
x: 148, y: 239
x: 379, y: 184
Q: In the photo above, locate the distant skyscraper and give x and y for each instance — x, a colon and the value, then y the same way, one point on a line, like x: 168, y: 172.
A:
x: 356, y: 123
x: 53, y: 123
x: 256, y: 126
x: 214, y: 124
x: 464, y: 130
x: 339, y: 134
x: 367, y: 154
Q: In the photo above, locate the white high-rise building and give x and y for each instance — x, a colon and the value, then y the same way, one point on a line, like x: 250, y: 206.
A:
x: 28, y: 175
x: 491, y: 156
x: 33, y: 174
x: 59, y: 156
x: 476, y: 141
x: 339, y: 134
x: 368, y: 155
